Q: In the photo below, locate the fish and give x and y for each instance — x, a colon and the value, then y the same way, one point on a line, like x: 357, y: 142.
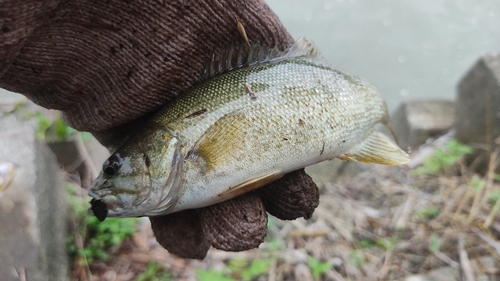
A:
x: 259, y: 114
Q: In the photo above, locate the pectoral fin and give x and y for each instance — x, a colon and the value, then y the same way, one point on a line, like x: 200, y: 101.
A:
x: 377, y: 149
x: 250, y: 185
x: 222, y: 142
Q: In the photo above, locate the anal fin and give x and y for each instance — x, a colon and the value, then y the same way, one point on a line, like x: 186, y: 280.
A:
x: 377, y: 149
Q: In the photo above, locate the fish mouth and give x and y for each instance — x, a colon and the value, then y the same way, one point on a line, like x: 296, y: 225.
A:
x: 98, y: 209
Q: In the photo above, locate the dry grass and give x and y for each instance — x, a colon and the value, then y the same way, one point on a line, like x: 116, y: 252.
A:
x: 379, y: 225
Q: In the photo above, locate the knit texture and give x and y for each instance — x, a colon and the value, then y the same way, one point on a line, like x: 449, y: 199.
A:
x: 107, y: 65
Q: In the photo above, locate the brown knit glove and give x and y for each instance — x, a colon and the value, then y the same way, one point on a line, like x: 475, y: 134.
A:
x: 108, y: 64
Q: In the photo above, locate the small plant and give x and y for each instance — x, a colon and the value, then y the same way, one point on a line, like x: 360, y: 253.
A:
x: 477, y: 183
x: 356, y: 257
x: 56, y: 130
x: 318, y: 268
x: 90, y: 239
x: 244, y: 270
x: 494, y: 196
x: 154, y: 272
x: 430, y: 212
x: 387, y: 244
x: 443, y: 157
x: 366, y: 243
x: 212, y: 275
x: 256, y: 268
x: 434, y: 243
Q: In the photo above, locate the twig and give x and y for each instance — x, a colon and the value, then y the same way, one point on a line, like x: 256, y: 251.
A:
x: 447, y: 259
x: 476, y: 204
x: 272, y: 271
x: 242, y: 31
x: 489, y: 186
x: 467, y: 271
x: 382, y: 273
x: 487, y: 239
x: 79, y: 244
x: 334, y: 275
x: 407, y: 211
x: 299, y: 233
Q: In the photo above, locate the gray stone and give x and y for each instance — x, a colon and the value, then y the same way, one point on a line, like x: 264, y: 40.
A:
x: 415, y: 121
x: 478, y: 106
x: 32, y: 208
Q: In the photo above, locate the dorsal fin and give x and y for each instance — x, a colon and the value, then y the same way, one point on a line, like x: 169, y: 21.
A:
x: 243, y: 55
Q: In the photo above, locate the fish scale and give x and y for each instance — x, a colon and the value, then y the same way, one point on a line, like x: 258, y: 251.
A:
x: 243, y: 129
x: 278, y: 111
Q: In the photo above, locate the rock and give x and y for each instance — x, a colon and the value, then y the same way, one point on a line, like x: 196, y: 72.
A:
x: 33, y: 206
x: 415, y: 121
x: 477, y: 118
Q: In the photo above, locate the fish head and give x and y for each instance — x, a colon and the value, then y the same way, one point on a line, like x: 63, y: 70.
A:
x: 140, y: 179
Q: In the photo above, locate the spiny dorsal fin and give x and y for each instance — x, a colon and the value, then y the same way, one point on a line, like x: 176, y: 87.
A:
x: 245, y: 56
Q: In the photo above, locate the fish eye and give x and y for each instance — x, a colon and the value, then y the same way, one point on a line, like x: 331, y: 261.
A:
x: 112, y: 165
x: 109, y: 171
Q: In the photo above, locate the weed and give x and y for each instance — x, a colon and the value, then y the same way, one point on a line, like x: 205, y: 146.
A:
x: 356, y: 257
x: 274, y: 245
x: 244, y: 270
x: 430, y: 212
x: 494, y: 196
x: 387, y: 244
x: 91, y: 238
x: 43, y: 124
x: 55, y: 130
x: 154, y: 272
x: 477, y: 183
x: 443, y: 157
x: 256, y: 268
x: 212, y: 275
x: 434, y: 242
x: 496, y: 177
x: 317, y: 267
x: 366, y: 243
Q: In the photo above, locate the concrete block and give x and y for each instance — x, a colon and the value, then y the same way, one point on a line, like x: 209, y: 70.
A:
x: 32, y: 208
x: 416, y: 121
x: 477, y: 118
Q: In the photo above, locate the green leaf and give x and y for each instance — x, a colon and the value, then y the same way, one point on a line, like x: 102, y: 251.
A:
x: 43, y: 123
x: 430, y: 212
x: 62, y: 130
x: 318, y: 268
x: 212, y: 275
x: 443, y: 157
x: 257, y: 267
x: 434, y: 242
x: 367, y: 243
x: 86, y: 136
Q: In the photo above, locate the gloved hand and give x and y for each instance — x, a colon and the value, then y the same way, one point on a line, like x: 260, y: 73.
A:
x: 107, y: 65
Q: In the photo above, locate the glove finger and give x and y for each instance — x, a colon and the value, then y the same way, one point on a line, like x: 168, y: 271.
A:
x: 293, y: 196
x: 181, y: 234
x: 238, y: 224
x: 143, y: 53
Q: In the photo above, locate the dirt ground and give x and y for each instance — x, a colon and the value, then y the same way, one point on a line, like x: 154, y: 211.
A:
x: 385, y: 223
